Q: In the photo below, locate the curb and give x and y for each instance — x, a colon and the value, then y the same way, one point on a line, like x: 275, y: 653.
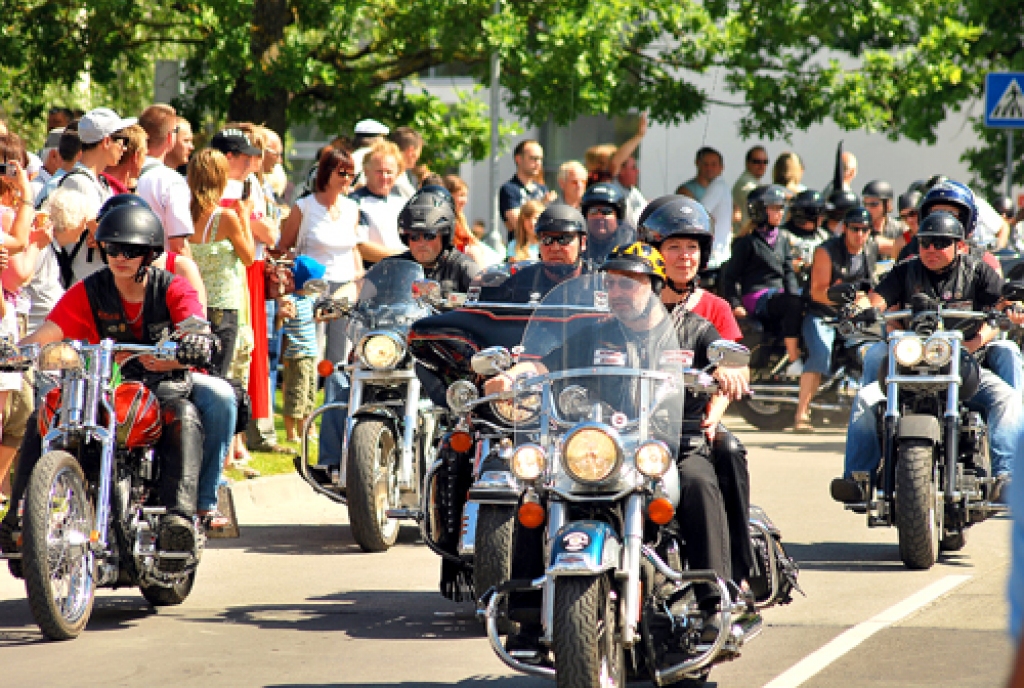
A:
x: 274, y: 490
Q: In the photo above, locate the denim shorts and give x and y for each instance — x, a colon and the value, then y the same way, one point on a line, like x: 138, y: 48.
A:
x: 819, y: 339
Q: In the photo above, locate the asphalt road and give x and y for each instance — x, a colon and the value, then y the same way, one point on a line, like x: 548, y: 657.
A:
x: 293, y: 602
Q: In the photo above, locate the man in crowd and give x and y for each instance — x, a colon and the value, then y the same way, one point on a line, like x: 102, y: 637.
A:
x: 755, y: 166
x: 522, y: 187
x: 849, y: 162
x: 177, y: 158
x: 710, y: 190
x: 69, y: 149
x: 379, y: 203
x: 58, y: 117
x: 572, y: 180
x: 627, y: 180
x: 160, y: 185
x: 410, y: 145
x: 51, y: 160
x: 367, y: 133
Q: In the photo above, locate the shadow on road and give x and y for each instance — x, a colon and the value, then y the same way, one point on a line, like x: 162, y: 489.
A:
x: 492, y: 681
x: 17, y: 627
x: 303, y: 539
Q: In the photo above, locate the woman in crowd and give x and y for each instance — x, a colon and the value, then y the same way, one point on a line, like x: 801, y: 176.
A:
x: 464, y: 239
x: 525, y: 245
x: 788, y: 172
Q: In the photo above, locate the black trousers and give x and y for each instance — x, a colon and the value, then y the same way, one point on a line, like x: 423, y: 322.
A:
x: 701, y: 516
x: 788, y: 310
x: 224, y: 323
x: 181, y: 455
x: 730, y: 461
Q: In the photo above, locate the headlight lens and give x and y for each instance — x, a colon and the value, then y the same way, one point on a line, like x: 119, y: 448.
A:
x: 909, y: 351
x: 592, y: 454
x: 653, y: 459
x: 381, y: 351
x: 523, y: 410
x: 461, y: 394
x: 60, y: 356
x: 528, y: 462
x: 937, y: 352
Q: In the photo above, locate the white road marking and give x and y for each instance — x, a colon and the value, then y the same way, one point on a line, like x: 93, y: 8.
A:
x: 822, y: 657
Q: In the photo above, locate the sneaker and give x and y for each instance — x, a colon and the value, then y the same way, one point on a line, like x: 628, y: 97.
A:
x: 795, y: 369
x: 847, y: 491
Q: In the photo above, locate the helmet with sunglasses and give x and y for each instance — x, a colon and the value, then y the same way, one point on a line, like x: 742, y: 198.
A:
x: 638, y: 258
x: 605, y: 194
x: 908, y: 201
x: 431, y: 211
x: 131, y: 223
x: 942, y: 224
x: 958, y: 196
x: 807, y: 206
x: 839, y: 202
x: 763, y: 197
x: 560, y: 218
x: 677, y: 216
x: 857, y: 216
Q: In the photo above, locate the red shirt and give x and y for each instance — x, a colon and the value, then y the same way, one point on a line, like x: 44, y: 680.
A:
x: 116, y: 187
x: 717, y: 311
x: 73, y: 315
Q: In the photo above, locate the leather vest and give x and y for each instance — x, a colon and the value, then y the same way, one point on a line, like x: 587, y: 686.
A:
x: 843, y: 272
x: 955, y: 289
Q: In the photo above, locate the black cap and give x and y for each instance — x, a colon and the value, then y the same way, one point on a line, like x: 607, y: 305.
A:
x: 561, y: 218
x: 857, y: 216
x: 908, y: 201
x: 234, y: 141
x: 941, y: 223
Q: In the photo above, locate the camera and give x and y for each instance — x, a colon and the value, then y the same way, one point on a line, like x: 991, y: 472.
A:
x: 7, y: 170
x: 246, y: 189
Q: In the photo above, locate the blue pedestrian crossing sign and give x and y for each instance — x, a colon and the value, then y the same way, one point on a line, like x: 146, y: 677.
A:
x: 1004, y: 100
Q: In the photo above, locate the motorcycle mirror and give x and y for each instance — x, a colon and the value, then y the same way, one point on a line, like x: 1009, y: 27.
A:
x: 574, y: 401
x: 1013, y: 291
x: 315, y: 287
x: 842, y: 293
x: 728, y: 354
x: 491, y: 361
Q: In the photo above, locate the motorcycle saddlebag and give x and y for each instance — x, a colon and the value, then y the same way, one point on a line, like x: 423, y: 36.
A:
x: 767, y: 541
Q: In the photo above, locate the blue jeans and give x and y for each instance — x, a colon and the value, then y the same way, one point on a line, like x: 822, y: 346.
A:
x: 819, y: 339
x: 1016, y: 585
x: 332, y: 423
x: 273, y: 348
x: 1001, y: 404
x: 215, y: 400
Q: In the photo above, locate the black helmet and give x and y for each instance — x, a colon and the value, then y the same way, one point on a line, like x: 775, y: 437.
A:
x: 120, y: 201
x: 807, y: 206
x: 932, y: 181
x: 917, y: 185
x: 603, y: 193
x: 857, y: 216
x: 839, y: 202
x: 429, y: 210
x: 941, y: 223
x: 760, y: 198
x: 677, y: 216
x: 878, y: 188
x: 560, y: 218
x: 1003, y: 206
x: 640, y: 259
x: 908, y: 201
x: 133, y: 224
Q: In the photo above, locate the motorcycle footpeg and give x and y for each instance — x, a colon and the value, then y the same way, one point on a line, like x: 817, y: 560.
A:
x: 405, y: 514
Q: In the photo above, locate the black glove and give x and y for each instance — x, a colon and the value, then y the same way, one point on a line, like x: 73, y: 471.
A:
x: 195, y: 350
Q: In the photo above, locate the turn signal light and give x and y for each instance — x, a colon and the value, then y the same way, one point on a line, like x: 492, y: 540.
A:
x: 660, y: 511
x: 94, y: 536
x: 460, y: 441
x: 531, y: 514
x: 324, y: 368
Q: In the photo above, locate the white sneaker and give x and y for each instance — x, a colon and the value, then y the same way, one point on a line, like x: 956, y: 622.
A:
x: 795, y: 369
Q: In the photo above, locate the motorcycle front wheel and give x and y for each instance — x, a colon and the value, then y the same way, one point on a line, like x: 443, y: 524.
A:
x: 585, y: 633
x: 918, y: 511
x: 58, y: 563
x: 373, y: 485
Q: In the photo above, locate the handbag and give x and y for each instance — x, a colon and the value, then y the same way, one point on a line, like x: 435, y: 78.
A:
x: 277, y: 279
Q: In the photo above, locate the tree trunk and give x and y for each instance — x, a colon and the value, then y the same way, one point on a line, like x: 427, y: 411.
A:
x: 269, y: 19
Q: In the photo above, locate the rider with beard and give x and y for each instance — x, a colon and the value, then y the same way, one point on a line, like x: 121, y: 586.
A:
x: 130, y: 238
x: 635, y: 277
x: 804, y: 230
x: 944, y: 273
x: 680, y: 228
x: 604, y: 208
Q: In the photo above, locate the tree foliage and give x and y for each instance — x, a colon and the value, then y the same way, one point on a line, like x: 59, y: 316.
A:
x: 900, y: 67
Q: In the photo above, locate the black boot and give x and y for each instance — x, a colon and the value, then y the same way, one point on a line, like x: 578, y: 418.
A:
x: 181, y: 456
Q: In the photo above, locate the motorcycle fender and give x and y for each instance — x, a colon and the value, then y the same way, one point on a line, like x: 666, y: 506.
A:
x: 495, y: 487
x: 919, y: 427
x: 584, y: 548
x: 378, y: 411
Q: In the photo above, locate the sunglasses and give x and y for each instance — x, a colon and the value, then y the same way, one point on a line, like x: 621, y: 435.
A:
x: 126, y: 251
x: 907, y: 215
x: 939, y: 243
x: 872, y: 204
x: 759, y: 161
x: 560, y: 239
x: 601, y: 211
x: 421, y: 236
x: 344, y: 174
x: 860, y: 229
x: 123, y: 140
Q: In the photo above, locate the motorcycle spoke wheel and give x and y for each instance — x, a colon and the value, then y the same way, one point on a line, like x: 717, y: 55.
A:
x: 372, y: 485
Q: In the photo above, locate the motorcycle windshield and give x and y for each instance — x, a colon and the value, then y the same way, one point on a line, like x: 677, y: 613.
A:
x: 606, y: 354
x: 386, y: 295
x: 523, y: 282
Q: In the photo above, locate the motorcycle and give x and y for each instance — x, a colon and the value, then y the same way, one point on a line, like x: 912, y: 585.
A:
x: 89, y: 515
x: 391, y: 429
x: 934, y: 477
x: 597, y: 431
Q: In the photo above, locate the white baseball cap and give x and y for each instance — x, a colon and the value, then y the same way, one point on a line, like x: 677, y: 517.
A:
x: 371, y: 127
x: 99, y: 123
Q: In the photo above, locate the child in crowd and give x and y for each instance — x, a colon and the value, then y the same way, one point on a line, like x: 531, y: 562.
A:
x: 300, y: 349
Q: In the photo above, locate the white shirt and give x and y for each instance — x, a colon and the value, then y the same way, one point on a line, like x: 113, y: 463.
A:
x: 989, y: 223
x: 87, y: 183
x: 329, y: 241
x: 380, y: 217
x: 44, y: 289
x: 168, y: 195
x: 718, y: 202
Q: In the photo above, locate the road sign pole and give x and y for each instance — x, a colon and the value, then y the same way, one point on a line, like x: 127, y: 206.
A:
x: 1009, y: 163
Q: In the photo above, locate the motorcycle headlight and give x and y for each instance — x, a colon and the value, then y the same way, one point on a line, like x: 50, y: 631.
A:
x: 381, y: 350
x: 653, y: 459
x: 937, y: 352
x: 909, y: 351
x: 58, y: 356
x: 523, y: 410
x: 461, y: 394
x: 528, y: 462
x: 592, y: 453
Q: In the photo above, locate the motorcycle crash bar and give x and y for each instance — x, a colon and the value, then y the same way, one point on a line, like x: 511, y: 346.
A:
x: 304, y: 462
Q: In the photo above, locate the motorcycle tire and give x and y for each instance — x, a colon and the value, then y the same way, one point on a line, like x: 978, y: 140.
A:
x: 159, y: 596
x: 57, y: 522
x: 492, y: 551
x: 918, y: 513
x: 769, y: 417
x: 372, y: 485
x: 584, y: 633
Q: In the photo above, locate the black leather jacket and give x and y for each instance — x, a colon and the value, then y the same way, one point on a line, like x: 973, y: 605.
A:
x: 755, y: 265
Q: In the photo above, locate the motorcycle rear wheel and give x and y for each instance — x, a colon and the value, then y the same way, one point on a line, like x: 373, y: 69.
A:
x: 584, y: 636
x: 770, y: 417
x: 159, y: 596
x: 373, y: 485
x: 918, y: 511
x: 57, y: 561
